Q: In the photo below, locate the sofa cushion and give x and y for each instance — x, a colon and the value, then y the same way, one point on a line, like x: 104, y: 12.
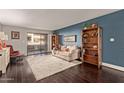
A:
x: 71, y: 48
x: 64, y: 53
x: 63, y: 48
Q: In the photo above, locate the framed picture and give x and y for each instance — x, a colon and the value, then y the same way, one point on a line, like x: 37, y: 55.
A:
x: 70, y: 38
x: 15, y: 35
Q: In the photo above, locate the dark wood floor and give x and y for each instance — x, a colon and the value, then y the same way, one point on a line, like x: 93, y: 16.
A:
x: 21, y: 73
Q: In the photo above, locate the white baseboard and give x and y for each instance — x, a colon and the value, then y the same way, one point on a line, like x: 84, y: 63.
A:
x: 113, y: 66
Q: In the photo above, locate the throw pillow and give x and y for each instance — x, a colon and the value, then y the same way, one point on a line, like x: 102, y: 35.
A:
x: 63, y: 48
x: 67, y: 49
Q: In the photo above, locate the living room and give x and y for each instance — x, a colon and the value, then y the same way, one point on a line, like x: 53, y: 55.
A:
x: 39, y: 45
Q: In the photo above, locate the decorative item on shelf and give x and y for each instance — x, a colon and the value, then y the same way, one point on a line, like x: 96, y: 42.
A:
x: 93, y: 34
x: 84, y: 51
x: 89, y: 26
x: 96, y: 34
x: 94, y: 25
x: 95, y: 46
x: 86, y: 26
x: 85, y: 35
x: 96, y: 54
x: 85, y: 40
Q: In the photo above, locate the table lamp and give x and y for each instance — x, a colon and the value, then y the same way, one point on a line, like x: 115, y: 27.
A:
x: 4, y: 41
x: 2, y: 37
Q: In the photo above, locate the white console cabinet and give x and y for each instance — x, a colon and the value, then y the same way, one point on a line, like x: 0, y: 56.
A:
x: 4, y: 59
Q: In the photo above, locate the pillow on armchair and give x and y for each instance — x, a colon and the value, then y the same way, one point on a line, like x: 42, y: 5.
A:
x: 63, y: 48
x: 71, y: 48
x: 67, y: 49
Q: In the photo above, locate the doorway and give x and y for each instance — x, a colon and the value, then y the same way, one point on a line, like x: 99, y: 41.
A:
x: 36, y: 43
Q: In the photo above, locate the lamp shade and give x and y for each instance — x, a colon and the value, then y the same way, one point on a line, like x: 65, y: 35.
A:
x: 2, y: 36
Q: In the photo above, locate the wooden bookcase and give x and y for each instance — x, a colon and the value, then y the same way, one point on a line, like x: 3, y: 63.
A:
x: 55, y: 41
x: 92, y: 45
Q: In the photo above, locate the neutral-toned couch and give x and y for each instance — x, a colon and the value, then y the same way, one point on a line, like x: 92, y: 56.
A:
x: 68, y: 53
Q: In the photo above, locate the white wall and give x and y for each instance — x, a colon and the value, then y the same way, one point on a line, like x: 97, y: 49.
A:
x: 21, y: 44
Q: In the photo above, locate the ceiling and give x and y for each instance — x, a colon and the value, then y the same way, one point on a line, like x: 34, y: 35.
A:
x: 49, y: 19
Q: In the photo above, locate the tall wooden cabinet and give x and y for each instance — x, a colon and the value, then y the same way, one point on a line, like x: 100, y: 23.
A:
x: 55, y: 41
x: 92, y: 45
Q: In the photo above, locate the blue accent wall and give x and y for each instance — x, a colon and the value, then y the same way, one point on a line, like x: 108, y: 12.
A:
x: 113, y: 26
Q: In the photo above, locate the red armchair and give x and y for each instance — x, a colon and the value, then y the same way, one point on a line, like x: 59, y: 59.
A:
x: 15, y: 56
x: 14, y: 53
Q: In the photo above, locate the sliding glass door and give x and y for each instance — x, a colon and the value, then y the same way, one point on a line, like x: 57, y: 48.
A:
x: 37, y: 43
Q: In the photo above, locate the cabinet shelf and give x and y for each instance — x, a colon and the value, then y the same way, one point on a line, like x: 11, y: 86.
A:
x: 91, y: 29
x: 90, y: 55
x: 90, y: 37
x: 90, y: 43
x: 90, y: 48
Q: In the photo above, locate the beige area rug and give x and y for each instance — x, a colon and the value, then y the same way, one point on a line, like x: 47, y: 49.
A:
x: 47, y: 65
